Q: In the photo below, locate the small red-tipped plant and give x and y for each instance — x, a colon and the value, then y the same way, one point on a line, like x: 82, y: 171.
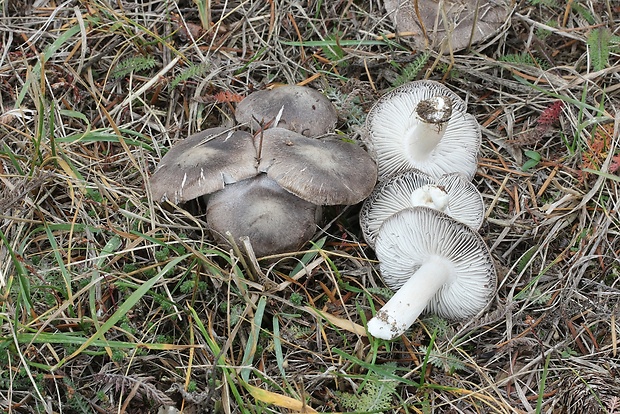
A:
x: 549, y: 116
x: 543, y: 124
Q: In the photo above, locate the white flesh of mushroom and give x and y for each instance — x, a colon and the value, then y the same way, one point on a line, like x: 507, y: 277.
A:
x: 402, y: 310
x: 430, y: 195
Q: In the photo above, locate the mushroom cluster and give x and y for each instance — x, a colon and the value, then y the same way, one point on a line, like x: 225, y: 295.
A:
x: 268, y: 185
x: 422, y: 217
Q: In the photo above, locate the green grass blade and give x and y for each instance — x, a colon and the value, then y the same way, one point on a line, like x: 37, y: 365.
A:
x: 60, y: 262
x: 123, y: 309
x: 250, y: 348
x: 49, y: 52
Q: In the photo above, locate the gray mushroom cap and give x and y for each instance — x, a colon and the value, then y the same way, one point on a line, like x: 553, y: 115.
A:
x: 467, y: 21
x: 326, y: 171
x: 304, y: 110
x: 392, y: 123
x: 395, y: 193
x: 274, y: 220
x: 204, y: 163
x: 415, y: 236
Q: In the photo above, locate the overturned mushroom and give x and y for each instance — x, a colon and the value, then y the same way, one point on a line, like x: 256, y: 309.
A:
x: 276, y: 171
x: 448, y: 25
x: 451, y: 193
x: 297, y: 108
x: 434, y: 263
x: 423, y: 125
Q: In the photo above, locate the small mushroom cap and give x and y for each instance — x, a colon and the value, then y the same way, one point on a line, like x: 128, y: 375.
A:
x: 391, y: 116
x: 304, y: 110
x: 432, y: 31
x: 414, y: 236
x: 274, y: 220
x: 327, y: 171
x: 203, y: 163
x: 393, y: 194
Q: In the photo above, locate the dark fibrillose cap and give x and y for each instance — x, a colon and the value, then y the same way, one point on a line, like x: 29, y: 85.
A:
x: 265, y: 187
x: 304, y: 110
x: 274, y: 220
x: 326, y: 171
x: 203, y: 163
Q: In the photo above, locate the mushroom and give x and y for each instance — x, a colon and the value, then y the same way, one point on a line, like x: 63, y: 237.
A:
x: 297, y: 108
x: 327, y: 171
x: 276, y: 171
x: 451, y: 193
x: 423, y: 125
x: 272, y: 218
x: 203, y: 163
x: 434, y: 263
x: 448, y: 25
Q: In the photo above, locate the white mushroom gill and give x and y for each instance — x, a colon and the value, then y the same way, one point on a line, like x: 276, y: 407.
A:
x: 452, y: 194
x: 423, y: 125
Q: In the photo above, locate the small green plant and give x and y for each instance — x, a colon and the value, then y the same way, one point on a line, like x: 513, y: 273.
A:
x: 601, y: 42
x: 437, y: 324
x: 348, y: 105
x: 546, y: 3
x: 523, y: 58
x: 542, y: 34
x: 162, y: 255
x: 447, y: 361
x: 410, y: 71
x: 385, y: 292
x: 235, y: 310
x: 300, y: 332
x: 533, y: 158
x: 194, y: 283
x: 133, y: 64
x: 333, y: 51
x: 583, y: 12
x: 118, y: 355
x: 376, y: 395
x: 568, y: 353
x: 297, y: 298
x: 190, y: 72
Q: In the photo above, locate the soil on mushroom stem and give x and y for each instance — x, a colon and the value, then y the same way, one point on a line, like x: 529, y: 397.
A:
x: 111, y: 303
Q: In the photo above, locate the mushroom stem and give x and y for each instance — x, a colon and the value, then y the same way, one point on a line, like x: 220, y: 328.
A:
x: 401, y: 311
x: 429, y: 123
x: 430, y: 195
